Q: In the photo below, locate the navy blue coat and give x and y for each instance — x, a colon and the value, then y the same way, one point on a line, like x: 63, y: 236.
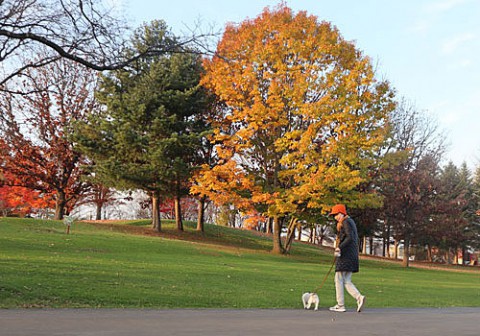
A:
x: 348, y: 243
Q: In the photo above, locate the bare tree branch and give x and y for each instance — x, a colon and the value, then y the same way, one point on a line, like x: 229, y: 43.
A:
x: 85, y: 31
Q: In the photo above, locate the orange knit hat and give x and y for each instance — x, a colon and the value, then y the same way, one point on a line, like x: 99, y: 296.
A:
x: 338, y: 208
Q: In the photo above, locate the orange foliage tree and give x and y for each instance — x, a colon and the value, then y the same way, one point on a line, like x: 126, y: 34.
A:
x: 304, y: 115
x: 20, y: 201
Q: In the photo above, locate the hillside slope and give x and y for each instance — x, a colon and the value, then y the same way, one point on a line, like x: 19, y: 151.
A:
x: 128, y: 265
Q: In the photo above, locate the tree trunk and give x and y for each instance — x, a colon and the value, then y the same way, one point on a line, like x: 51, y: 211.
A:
x: 60, y: 205
x: 178, y: 214
x: 201, y: 214
x: 384, y: 246
x: 429, y: 253
x: 290, y: 234
x: 388, y: 241
x: 455, y: 256
x: 384, y: 239
x: 269, y: 225
x: 277, y: 232
x: 395, y: 248
x: 320, y: 233
x: 156, y: 223
x: 406, y: 253
x: 99, y: 212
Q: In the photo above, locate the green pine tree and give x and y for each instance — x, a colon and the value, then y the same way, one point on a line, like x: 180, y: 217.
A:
x: 147, y: 133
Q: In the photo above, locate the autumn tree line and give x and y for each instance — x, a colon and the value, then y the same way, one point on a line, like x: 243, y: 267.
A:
x: 282, y: 120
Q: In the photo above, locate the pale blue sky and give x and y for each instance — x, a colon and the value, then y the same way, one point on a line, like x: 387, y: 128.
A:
x: 428, y: 49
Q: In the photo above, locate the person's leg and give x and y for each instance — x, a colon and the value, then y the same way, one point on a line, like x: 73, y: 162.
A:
x: 351, y: 289
x: 340, y: 306
x: 339, y: 283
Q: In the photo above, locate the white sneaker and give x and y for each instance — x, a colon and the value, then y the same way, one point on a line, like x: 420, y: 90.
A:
x: 360, y: 303
x: 338, y: 308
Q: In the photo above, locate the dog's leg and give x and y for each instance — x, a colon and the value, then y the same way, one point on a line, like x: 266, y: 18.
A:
x: 304, y: 302
x: 310, y: 299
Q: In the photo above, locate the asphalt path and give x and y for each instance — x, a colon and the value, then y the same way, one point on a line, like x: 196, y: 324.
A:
x: 244, y: 322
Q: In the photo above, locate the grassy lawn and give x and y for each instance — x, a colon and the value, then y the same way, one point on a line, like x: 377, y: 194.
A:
x: 109, y: 266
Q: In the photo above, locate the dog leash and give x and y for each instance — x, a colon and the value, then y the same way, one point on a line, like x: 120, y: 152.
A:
x: 337, y: 243
x: 326, y: 276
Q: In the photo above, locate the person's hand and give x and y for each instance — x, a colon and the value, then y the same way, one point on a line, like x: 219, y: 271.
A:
x: 337, y: 253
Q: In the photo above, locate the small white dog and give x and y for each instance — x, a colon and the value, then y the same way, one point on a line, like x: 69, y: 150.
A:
x: 309, y: 299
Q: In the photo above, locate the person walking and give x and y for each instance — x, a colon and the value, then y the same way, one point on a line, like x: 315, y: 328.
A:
x: 346, y: 259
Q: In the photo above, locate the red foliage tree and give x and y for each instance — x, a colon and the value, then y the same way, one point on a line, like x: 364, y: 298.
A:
x: 34, y: 131
x: 101, y: 196
x: 409, y: 179
x: 20, y: 201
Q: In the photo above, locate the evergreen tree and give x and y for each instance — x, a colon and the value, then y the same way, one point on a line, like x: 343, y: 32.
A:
x: 147, y: 134
x: 450, y: 225
x: 475, y: 201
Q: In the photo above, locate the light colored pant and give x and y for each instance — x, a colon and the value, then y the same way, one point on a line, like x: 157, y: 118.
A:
x: 344, y: 280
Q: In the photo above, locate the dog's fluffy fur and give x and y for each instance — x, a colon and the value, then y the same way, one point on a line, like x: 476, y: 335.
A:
x: 310, y: 299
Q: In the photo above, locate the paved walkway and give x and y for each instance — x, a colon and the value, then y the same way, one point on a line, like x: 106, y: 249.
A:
x: 263, y: 322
